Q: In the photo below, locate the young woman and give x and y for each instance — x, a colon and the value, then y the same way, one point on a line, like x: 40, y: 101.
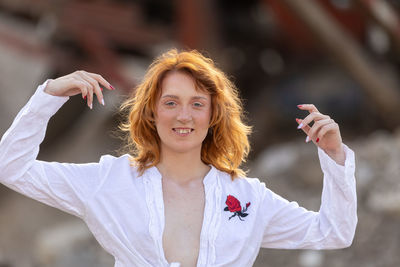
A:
x: 179, y: 198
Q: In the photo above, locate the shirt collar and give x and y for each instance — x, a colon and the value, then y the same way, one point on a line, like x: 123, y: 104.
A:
x: 209, y: 179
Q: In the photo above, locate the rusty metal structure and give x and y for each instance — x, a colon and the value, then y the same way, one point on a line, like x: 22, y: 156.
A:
x: 94, y: 35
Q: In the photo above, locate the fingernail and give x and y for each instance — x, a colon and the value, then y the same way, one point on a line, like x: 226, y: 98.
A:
x: 300, y: 125
x: 102, y: 102
x: 84, y: 97
x: 298, y: 120
x: 307, y: 139
x: 111, y: 87
x: 101, y: 89
x: 299, y: 106
x: 91, y: 106
x: 317, y: 140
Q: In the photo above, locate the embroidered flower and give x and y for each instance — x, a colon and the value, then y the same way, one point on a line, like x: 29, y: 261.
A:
x: 233, y: 205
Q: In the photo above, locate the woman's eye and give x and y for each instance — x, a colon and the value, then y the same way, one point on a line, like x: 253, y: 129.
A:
x: 170, y: 103
x: 198, y: 104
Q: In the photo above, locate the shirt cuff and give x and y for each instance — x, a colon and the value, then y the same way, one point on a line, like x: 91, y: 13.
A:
x: 44, y: 104
x: 342, y: 175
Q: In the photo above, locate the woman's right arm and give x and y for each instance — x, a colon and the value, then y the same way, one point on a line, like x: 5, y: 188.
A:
x: 51, y: 183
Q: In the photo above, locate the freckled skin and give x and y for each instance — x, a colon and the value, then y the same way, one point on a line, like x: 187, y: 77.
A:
x: 181, y: 106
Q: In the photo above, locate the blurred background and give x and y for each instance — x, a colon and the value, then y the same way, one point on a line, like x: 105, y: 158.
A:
x: 341, y: 55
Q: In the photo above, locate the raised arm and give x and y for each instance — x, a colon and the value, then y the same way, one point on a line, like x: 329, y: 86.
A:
x: 52, y: 183
x: 289, y: 226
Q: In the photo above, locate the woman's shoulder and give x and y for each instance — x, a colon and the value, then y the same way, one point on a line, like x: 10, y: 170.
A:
x: 120, y: 162
x: 244, y: 189
x: 243, y: 182
x: 111, y: 159
x: 122, y: 167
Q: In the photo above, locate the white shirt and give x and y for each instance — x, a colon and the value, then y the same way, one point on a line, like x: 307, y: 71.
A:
x: 125, y: 212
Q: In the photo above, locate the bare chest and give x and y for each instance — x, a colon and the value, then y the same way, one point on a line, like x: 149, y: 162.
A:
x: 184, y: 209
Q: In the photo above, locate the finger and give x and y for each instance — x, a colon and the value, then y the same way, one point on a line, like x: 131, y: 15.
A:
x: 314, y: 116
x: 90, y: 98
x: 312, y: 133
x: 101, y: 80
x: 84, y: 88
x: 88, y: 95
x: 308, y: 107
x: 95, y: 85
x: 331, y: 127
x: 84, y: 91
x: 305, y: 129
x: 74, y: 86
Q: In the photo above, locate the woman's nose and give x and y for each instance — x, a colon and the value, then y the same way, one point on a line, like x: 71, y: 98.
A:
x: 184, y: 114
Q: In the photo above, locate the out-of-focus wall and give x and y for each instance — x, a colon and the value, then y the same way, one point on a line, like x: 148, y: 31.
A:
x: 335, y: 54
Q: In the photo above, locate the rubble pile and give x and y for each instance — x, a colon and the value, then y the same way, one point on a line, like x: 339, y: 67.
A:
x: 292, y: 170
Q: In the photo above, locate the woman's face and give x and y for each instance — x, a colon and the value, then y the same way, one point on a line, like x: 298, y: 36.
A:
x: 182, y: 114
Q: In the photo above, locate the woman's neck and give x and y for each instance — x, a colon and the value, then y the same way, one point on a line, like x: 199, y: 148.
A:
x: 182, y: 168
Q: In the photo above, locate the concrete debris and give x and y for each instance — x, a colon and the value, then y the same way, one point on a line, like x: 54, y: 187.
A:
x: 292, y: 170
x: 311, y: 258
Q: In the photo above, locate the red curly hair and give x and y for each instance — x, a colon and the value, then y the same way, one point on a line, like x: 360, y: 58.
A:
x: 225, y: 148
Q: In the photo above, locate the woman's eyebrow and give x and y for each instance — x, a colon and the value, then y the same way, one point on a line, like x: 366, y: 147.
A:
x: 170, y: 96
x: 199, y: 97
x: 176, y: 97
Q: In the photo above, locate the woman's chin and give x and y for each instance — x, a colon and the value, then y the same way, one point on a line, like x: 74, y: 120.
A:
x: 183, y: 148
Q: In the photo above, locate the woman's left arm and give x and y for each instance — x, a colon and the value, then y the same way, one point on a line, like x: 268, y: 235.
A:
x: 289, y: 226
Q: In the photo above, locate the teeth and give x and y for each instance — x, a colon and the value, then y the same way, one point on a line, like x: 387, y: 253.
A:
x: 183, y: 131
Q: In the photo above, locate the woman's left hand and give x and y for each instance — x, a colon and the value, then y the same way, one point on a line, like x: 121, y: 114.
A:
x: 324, y: 133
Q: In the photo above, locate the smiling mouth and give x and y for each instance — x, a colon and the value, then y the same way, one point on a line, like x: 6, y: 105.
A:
x: 183, y: 130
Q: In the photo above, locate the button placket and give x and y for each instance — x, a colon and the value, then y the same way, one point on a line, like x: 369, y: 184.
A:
x: 208, y: 216
x: 159, y: 212
x: 149, y: 196
x: 216, y: 222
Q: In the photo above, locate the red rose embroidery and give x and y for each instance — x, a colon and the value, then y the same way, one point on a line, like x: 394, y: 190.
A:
x: 233, y: 205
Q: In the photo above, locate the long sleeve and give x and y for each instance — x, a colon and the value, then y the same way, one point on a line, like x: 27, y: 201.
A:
x: 64, y: 186
x: 289, y: 226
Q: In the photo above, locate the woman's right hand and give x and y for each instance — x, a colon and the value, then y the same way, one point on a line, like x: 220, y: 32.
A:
x: 79, y: 82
